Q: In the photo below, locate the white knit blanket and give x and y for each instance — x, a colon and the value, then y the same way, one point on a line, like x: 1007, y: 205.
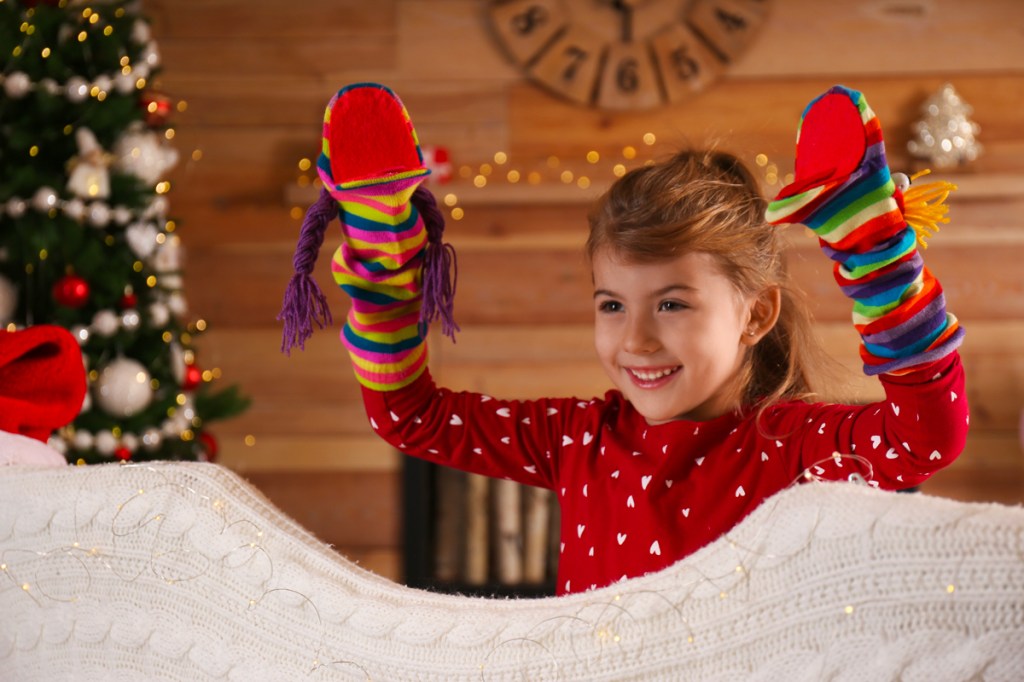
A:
x: 185, y: 572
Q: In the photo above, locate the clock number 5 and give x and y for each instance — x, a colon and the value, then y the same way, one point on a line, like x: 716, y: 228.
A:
x: 684, y: 65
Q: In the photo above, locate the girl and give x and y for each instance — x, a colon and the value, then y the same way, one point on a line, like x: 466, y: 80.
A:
x: 695, y: 326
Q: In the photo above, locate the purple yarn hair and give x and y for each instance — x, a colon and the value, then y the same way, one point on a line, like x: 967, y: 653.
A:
x: 304, y: 302
x: 440, y: 271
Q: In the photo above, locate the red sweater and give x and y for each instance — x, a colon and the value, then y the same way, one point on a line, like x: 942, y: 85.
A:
x: 636, y: 498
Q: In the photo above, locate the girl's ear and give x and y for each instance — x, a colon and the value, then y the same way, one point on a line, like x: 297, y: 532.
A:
x: 764, y: 313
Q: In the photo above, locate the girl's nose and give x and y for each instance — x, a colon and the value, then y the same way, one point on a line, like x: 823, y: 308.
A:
x: 640, y: 338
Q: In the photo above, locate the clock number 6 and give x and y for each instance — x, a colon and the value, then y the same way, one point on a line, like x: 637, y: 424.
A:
x: 525, y: 22
x: 626, y: 76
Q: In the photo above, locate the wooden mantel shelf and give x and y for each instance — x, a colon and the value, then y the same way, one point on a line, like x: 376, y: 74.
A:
x: 971, y: 187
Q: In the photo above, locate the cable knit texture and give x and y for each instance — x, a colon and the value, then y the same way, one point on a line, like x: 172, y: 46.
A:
x: 182, y: 571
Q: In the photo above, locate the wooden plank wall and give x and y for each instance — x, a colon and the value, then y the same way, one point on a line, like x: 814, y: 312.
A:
x: 257, y: 74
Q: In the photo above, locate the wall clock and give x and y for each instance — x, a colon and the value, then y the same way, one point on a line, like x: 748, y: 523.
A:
x: 625, y: 54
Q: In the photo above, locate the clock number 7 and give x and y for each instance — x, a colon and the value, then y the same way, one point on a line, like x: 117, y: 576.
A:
x: 576, y: 55
x: 525, y: 22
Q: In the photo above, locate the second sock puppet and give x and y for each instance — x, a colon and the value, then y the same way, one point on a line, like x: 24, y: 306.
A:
x: 844, y: 192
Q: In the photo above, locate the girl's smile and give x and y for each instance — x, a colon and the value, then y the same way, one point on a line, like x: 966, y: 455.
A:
x: 672, y: 335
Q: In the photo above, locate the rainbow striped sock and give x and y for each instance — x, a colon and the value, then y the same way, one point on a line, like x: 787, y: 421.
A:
x: 844, y: 193
x: 371, y: 164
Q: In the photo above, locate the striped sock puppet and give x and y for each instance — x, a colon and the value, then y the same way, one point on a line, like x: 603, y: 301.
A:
x: 844, y: 193
x: 391, y: 263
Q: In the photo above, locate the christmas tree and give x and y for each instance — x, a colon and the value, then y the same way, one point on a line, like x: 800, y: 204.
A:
x: 86, y: 241
x: 945, y: 136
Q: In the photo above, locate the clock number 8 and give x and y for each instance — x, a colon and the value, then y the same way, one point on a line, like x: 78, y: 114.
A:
x: 525, y: 22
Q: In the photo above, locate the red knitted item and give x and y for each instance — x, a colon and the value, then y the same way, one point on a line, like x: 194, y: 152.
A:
x: 42, y: 380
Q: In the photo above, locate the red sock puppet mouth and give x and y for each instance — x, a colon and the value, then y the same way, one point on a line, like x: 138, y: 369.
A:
x: 831, y: 144
x: 370, y: 136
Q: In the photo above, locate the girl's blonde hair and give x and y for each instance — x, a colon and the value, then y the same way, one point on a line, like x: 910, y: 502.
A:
x: 708, y: 201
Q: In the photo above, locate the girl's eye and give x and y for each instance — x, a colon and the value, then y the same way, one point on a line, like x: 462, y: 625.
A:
x: 609, y: 307
x: 672, y: 306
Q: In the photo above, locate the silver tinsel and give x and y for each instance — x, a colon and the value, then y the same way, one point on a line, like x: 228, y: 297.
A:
x: 945, y: 136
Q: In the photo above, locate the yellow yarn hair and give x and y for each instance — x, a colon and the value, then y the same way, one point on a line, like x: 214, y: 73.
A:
x: 924, y: 206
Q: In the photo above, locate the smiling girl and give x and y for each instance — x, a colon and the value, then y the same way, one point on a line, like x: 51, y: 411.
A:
x: 695, y: 324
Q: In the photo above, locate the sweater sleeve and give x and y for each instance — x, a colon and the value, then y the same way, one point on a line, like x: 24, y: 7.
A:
x: 522, y: 440
x: 919, y: 428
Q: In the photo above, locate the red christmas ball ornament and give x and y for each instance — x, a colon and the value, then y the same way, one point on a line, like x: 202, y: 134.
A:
x: 71, y: 291
x: 436, y: 159
x: 123, y: 453
x: 129, y: 300
x: 209, y: 446
x: 193, y: 375
x: 156, y: 108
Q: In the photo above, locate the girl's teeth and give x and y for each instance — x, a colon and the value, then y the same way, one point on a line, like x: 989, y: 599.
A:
x: 651, y: 376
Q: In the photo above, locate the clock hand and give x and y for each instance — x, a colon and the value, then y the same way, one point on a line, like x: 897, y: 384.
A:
x: 625, y: 7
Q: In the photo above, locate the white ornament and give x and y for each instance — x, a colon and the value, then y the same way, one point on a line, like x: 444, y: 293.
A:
x: 124, y: 83
x: 130, y: 319
x: 81, y: 333
x: 945, y: 136
x: 141, y: 32
x: 86, y: 403
x: 44, y: 199
x: 76, y: 89
x: 98, y: 214
x: 103, y: 82
x: 151, y: 55
x: 8, y: 300
x: 168, y: 255
x: 130, y: 441
x: 151, y: 438
x: 90, y: 177
x: 105, y: 442
x: 144, y: 154
x: 122, y: 388
x: 176, y: 302
x: 16, y: 207
x: 82, y: 440
x: 157, y: 208
x: 58, y: 444
x: 74, y: 209
x: 17, y: 84
x: 121, y: 215
x: 105, y: 323
x: 159, y: 314
x: 141, y: 239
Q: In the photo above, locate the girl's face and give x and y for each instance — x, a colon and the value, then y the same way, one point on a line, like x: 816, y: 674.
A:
x: 671, y: 335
